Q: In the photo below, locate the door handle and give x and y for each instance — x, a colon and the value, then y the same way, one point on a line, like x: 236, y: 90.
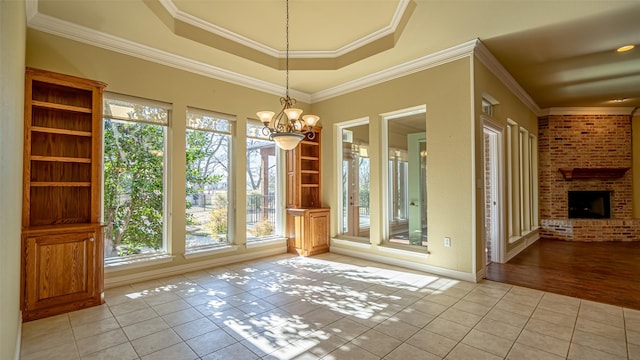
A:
x: 92, y: 239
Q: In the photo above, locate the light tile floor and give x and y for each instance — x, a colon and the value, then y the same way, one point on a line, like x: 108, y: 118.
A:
x: 332, y: 307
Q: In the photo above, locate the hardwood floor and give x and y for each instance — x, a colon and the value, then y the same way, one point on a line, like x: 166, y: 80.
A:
x: 607, y: 272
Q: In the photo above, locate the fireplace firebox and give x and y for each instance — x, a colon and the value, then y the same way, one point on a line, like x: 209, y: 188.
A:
x: 589, y: 204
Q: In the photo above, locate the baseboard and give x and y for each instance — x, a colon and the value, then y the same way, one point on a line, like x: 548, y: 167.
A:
x: 181, y: 269
x: 16, y: 352
x: 435, y: 270
x: 482, y: 274
x: 531, y: 239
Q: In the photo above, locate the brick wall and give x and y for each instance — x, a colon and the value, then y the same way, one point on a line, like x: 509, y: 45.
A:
x: 585, y: 141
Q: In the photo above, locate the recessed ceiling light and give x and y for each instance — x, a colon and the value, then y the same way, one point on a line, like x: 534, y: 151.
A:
x: 620, y: 100
x: 625, y: 48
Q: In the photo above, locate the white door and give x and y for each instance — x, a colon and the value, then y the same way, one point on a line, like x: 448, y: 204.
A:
x: 494, y: 244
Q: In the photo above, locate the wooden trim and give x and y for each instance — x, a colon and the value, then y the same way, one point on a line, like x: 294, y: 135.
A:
x: 61, y: 159
x: 61, y: 183
x: 61, y: 131
x: 49, y: 105
x: 593, y: 173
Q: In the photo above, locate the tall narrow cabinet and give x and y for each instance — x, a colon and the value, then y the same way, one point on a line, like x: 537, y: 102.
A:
x: 307, y: 220
x: 62, y: 242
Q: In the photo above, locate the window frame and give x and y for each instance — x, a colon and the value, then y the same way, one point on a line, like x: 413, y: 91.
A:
x: 385, y: 178
x: 340, y: 137
x: 279, y: 196
x: 522, y: 181
x: 231, y: 208
x: 163, y: 253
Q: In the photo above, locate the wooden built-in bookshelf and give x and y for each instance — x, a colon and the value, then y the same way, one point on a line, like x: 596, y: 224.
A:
x: 307, y: 221
x: 62, y: 247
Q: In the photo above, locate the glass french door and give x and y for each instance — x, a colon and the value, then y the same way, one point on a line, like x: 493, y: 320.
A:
x: 355, y: 175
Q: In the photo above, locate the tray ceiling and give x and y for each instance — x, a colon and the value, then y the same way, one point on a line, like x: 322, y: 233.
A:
x: 561, y: 53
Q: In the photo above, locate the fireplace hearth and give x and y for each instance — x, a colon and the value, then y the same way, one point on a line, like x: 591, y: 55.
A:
x: 589, y: 204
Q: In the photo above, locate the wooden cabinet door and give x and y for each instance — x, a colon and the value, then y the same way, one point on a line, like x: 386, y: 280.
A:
x: 60, y: 269
x: 318, y: 232
x: 293, y: 188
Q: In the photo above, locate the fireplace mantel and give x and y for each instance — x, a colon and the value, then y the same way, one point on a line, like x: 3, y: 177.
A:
x: 593, y: 173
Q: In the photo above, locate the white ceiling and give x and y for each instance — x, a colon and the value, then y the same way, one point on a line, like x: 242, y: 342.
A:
x: 561, y: 52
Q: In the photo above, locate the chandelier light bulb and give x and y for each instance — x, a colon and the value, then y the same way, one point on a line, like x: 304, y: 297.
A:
x: 292, y: 113
x: 265, y: 117
x: 311, y: 120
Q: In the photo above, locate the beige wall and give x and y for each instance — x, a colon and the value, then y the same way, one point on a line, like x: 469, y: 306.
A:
x: 452, y: 136
x: 132, y: 76
x: 12, y: 47
x: 510, y: 107
x: 445, y: 92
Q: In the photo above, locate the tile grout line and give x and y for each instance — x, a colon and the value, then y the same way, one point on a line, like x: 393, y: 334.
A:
x: 524, y: 326
x: 317, y: 278
x: 473, y: 327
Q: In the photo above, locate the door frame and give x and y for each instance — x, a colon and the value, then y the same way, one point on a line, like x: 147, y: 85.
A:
x: 384, y: 167
x: 339, y: 215
x: 496, y: 151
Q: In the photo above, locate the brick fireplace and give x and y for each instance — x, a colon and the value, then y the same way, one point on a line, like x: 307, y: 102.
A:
x: 586, y: 153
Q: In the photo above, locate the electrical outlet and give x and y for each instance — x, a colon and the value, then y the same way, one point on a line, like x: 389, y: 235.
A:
x: 447, y: 242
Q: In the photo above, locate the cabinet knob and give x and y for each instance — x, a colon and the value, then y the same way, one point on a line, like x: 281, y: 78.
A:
x: 91, y: 239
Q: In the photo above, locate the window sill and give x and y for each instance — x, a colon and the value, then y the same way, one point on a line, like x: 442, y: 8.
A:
x: 210, y: 251
x: 136, y: 261
x: 267, y: 242
x: 352, y: 242
x: 525, y: 235
x: 399, y: 222
x: 419, y: 252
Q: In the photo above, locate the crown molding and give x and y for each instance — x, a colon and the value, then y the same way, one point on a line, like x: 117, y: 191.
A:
x: 93, y: 37
x: 486, y: 57
x: 429, y: 61
x: 187, y: 18
x: 587, y: 111
x: 103, y: 40
x: 376, y: 35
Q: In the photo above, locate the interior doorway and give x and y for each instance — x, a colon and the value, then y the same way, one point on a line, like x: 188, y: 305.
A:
x: 493, y: 234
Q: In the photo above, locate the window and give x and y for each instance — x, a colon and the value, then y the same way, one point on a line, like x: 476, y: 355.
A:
x: 487, y: 107
x: 525, y: 181
x: 134, y: 175
x: 209, y: 190
x: 406, y: 176
x: 398, y: 187
x: 355, y: 173
x: 522, y: 173
x: 263, y: 211
x: 513, y: 181
x: 533, y: 174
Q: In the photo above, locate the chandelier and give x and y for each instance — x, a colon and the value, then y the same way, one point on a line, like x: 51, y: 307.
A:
x: 286, y: 128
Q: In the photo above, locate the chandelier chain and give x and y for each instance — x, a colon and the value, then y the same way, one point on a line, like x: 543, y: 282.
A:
x: 286, y: 128
x: 287, y: 50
